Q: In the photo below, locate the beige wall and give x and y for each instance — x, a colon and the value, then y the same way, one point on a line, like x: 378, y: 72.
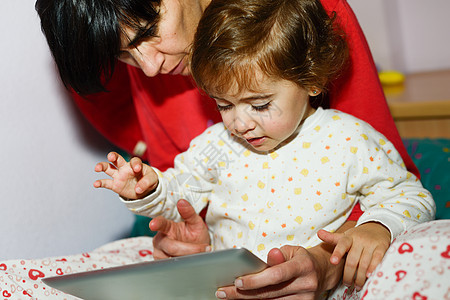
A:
x: 407, y: 35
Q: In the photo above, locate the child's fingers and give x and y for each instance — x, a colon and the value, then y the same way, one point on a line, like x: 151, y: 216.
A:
x: 364, y: 263
x: 136, y: 164
x: 105, y: 167
x: 329, y: 237
x: 377, y: 257
x: 342, y: 247
x: 351, y: 264
x: 116, y: 159
x: 103, y: 183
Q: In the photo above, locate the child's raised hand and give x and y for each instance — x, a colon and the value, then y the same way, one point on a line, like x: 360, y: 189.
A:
x: 365, y: 247
x: 132, y: 180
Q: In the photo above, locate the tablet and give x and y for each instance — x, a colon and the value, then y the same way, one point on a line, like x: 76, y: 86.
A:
x: 187, y: 277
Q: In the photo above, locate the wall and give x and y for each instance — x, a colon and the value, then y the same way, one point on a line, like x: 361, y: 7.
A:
x: 406, y: 35
x: 47, y: 155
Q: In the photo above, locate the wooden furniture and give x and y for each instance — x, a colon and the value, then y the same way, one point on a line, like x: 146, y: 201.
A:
x: 421, y: 105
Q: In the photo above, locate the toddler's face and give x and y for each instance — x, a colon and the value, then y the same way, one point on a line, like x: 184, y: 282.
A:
x: 268, y: 114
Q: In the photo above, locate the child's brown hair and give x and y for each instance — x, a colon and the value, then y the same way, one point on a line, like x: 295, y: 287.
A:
x: 294, y: 40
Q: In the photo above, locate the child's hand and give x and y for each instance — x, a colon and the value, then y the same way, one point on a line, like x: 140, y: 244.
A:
x: 366, y: 246
x: 132, y: 180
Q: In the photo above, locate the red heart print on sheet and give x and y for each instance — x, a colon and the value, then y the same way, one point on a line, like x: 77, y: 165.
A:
x: 418, y: 296
x: 3, y: 267
x: 405, y: 247
x: 35, y: 274
x: 6, y: 294
x: 446, y: 254
x: 400, y: 275
x: 144, y: 253
x: 59, y: 271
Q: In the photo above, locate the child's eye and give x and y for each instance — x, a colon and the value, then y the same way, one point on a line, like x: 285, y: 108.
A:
x: 261, y: 107
x: 223, y: 107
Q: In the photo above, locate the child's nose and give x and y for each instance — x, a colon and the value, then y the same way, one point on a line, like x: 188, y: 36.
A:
x: 243, y: 124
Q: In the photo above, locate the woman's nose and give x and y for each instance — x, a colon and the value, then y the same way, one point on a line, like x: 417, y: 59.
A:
x: 149, y: 61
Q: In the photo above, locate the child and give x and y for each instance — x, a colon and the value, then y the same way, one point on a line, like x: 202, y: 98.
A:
x: 280, y: 167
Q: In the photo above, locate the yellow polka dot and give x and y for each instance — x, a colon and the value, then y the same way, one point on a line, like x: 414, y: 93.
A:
x: 239, y: 235
x: 224, y: 205
x: 390, y: 179
x: 298, y: 219
x: 247, y: 153
x: 265, y: 165
x: 244, y: 197
x: 422, y: 195
x: 274, y: 155
x: 290, y: 237
x: 353, y: 150
x: 297, y: 191
x: 365, y: 170
x: 261, y: 210
x: 324, y: 160
x: 261, y: 184
x: 206, y: 159
x: 317, y: 207
x: 409, y: 175
x: 251, y: 225
x: 221, y: 143
x: 382, y: 142
x: 317, y: 128
x: 304, y: 172
x: 364, y: 136
x: 306, y: 145
x: 336, y: 118
x: 343, y: 196
x: 261, y: 247
x: 222, y: 164
x: 406, y: 213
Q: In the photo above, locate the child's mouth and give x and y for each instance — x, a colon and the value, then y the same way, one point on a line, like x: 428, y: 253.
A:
x: 255, y: 142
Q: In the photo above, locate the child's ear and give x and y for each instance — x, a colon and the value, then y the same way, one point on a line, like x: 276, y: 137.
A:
x: 314, y: 92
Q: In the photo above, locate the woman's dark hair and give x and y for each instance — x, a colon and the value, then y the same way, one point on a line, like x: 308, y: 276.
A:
x: 294, y: 40
x: 84, y: 36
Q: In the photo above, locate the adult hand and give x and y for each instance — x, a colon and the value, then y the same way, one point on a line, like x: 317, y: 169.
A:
x: 293, y: 273
x: 180, y: 238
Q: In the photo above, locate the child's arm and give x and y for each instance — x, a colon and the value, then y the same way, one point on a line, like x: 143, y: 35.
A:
x: 131, y: 180
x: 365, y: 246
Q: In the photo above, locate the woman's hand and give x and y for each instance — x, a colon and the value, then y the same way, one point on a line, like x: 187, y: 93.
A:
x: 131, y: 180
x: 294, y: 273
x: 180, y: 238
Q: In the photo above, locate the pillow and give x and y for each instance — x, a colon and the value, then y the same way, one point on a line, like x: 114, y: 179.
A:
x: 432, y: 158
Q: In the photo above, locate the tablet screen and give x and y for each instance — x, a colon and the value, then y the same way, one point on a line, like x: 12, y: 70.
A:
x: 187, y: 277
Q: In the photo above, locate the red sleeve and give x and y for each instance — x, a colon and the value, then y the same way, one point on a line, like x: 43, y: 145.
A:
x: 113, y: 113
x: 358, y: 91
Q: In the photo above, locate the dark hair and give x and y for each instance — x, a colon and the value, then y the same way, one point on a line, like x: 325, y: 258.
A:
x: 84, y: 36
x: 294, y: 40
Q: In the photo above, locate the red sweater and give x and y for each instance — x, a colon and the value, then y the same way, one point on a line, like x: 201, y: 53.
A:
x: 167, y: 111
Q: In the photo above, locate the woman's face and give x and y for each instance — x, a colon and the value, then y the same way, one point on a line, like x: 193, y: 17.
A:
x: 167, y: 53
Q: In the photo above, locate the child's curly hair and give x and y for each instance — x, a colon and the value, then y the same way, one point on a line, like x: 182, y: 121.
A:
x: 294, y: 40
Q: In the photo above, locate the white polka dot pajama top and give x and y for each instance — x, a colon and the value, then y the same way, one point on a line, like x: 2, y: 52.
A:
x: 262, y: 200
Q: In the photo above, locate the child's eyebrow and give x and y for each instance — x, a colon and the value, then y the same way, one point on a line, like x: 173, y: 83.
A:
x: 246, y: 99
